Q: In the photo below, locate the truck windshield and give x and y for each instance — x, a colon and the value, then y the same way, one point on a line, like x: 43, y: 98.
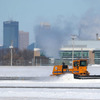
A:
x: 83, y: 63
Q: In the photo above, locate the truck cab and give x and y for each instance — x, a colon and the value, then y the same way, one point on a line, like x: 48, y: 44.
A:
x: 80, y: 67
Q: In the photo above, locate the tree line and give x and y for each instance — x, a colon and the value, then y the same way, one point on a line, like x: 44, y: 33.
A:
x: 20, y: 57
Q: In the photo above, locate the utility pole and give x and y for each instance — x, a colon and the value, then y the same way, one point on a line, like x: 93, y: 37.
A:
x: 81, y: 52
x: 11, y: 47
x: 73, y: 38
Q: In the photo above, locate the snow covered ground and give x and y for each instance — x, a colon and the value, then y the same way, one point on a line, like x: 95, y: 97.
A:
x: 35, y: 71
x: 42, y: 78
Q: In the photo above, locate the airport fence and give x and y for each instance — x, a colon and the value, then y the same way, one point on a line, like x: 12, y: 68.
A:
x: 39, y: 62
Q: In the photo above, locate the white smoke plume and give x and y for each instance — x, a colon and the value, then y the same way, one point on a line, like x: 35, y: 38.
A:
x: 50, y: 38
x: 89, y: 25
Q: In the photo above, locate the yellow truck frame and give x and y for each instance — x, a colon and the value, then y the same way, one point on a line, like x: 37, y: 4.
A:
x: 79, y: 68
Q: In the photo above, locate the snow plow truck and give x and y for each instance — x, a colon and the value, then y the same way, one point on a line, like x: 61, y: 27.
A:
x: 79, y: 70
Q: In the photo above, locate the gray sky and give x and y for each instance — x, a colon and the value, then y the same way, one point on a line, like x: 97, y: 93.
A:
x: 31, y: 12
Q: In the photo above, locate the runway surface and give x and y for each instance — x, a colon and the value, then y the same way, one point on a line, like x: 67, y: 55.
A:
x: 35, y: 87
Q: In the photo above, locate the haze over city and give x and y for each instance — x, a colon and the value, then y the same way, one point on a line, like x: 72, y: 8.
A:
x: 49, y: 49
x: 66, y: 15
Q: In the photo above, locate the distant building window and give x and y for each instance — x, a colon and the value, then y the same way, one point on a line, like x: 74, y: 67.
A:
x: 77, y: 54
x: 97, y: 54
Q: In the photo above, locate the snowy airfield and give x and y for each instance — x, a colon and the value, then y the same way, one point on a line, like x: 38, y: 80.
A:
x: 64, y: 87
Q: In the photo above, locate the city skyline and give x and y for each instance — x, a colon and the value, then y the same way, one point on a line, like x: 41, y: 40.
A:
x: 34, y: 12
x: 13, y: 36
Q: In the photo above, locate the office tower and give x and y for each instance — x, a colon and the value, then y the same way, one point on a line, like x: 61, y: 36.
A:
x: 23, y: 40
x: 10, y: 33
x: 45, y: 25
x: 43, y: 31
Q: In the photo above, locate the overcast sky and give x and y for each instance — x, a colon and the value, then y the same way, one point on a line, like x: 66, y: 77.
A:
x: 31, y: 12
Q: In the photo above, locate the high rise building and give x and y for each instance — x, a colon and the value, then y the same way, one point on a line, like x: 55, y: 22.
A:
x: 45, y: 25
x: 10, y: 33
x: 44, y: 30
x: 23, y: 40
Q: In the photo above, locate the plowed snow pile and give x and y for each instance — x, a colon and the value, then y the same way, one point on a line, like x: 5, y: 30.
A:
x: 66, y: 77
